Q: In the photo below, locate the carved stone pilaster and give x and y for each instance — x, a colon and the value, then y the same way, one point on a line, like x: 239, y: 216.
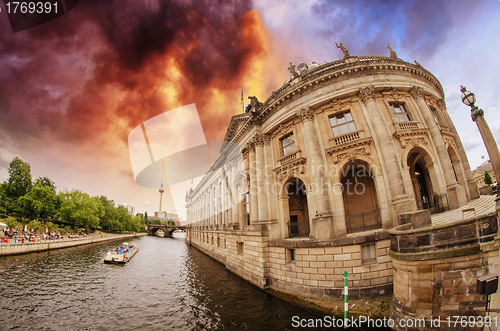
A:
x: 475, y: 112
x: 441, y: 104
x: 417, y: 92
x: 266, y: 139
x: 259, y: 140
x: 366, y: 94
x: 305, y: 114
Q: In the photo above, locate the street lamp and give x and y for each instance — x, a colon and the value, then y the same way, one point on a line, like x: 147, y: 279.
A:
x: 469, y: 99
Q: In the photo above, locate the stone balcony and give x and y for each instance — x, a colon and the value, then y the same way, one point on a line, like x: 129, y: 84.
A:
x: 290, y: 158
x: 410, y: 125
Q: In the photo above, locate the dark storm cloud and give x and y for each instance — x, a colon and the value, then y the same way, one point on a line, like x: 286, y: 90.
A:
x: 415, y: 27
x: 64, y: 76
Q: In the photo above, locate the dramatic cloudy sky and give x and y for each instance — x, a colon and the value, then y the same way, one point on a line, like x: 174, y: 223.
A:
x: 71, y: 90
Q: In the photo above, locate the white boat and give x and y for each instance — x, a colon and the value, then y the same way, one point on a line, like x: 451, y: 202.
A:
x: 122, y: 253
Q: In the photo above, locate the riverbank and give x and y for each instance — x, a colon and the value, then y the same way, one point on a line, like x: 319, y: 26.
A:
x: 45, y: 245
x: 374, y: 307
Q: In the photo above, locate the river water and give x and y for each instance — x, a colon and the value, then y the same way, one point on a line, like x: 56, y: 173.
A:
x: 167, y: 285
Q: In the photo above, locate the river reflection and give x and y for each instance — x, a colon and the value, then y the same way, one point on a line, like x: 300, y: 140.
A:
x: 167, y: 285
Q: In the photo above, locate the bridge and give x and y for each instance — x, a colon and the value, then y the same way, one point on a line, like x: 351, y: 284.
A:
x: 167, y: 229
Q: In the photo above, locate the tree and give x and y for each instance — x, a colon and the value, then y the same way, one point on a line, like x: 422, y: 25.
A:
x: 12, y: 223
x: 19, y: 181
x: 41, y: 202
x: 487, y: 178
x: 79, y: 210
x: 45, y: 182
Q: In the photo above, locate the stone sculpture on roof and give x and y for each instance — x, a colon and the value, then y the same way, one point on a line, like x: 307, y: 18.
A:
x: 393, y: 54
x: 291, y: 68
x: 344, y: 50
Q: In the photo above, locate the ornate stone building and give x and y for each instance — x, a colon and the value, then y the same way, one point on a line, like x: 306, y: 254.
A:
x: 315, y: 176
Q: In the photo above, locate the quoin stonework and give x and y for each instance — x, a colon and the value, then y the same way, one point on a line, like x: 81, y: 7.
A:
x: 311, y: 180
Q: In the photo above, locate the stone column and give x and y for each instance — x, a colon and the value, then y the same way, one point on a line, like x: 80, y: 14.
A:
x: 234, y: 197
x: 253, y: 190
x: 456, y: 193
x: 260, y: 173
x: 491, y: 145
x: 339, y: 224
x: 385, y: 213
x: 270, y: 180
x: 472, y: 185
x: 387, y: 151
x: 321, y: 225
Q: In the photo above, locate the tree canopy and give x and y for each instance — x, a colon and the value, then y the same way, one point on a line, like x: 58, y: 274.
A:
x: 487, y: 178
x: 38, y: 205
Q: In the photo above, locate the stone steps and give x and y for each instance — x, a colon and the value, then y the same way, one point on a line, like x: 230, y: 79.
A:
x: 484, y: 205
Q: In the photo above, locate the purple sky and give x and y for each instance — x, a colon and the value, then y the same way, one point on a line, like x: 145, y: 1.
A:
x: 72, y: 89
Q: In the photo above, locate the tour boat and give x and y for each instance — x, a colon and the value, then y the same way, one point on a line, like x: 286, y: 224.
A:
x: 122, y: 253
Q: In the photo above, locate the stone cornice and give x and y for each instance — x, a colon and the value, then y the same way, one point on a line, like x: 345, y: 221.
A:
x: 353, y: 66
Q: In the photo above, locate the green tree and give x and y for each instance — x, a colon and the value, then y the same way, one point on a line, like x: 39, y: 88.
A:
x: 41, y: 202
x: 79, y: 210
x: 11, y: 222
x: 19, y: 181
x: 487, y: 178
x: 146, y: 217
x: 109, y: 220
x: 37, y: 226
x: 45, y: 182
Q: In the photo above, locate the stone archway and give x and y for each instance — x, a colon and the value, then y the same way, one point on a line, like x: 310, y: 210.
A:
x: 420, y: 166
x: 359, y: 195
x: 298, y: 209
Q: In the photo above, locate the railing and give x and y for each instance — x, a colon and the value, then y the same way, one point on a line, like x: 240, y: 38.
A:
x: 364, y: 221
x: 400, y: 126
x: 348, y: 137
x: 289, y: 158
x: 296, y: 231
x: 439, y: 203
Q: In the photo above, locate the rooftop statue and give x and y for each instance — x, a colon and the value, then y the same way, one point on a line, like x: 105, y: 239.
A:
x: 344, y: 50
x: 393, y: 54
x: 291, y: 68
x: 418, y: 64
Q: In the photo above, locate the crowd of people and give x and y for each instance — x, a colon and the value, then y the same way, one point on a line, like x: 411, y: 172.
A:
x: 20, y: 236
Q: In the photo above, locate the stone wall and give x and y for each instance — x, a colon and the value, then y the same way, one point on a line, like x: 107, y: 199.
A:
x: 316, y: 269
x: 18, y: 248
x: 436, y: 268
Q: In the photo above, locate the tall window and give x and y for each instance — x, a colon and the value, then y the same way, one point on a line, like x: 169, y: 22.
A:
x: 342, y: 123
x: 400, y: 112
x: 246, y: 208
x: 288, y: 144
x: 436, y: 117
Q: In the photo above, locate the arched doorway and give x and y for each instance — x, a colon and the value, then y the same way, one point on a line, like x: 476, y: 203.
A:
x: 419, y: 163
x: 298, y: 210
x: 360, y: 199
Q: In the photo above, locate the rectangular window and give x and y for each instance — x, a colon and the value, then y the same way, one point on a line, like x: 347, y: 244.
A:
x: 239, y: 246
x: 342, y: 123
x: 400, y: 112
x: 368, y: 253
x: 290, y: 256
x: 246, y: 208
x: 288, y: 144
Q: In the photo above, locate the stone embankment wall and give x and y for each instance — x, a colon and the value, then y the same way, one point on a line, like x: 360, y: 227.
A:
x: 300, y: 267
x: 436, y: 268
x: 22, y: 248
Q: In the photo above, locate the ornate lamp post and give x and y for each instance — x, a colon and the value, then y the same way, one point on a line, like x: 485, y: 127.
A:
x: 161, y: 190
x: 469, y: 99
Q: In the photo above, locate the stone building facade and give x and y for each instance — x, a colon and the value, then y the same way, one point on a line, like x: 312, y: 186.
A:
x: 313, y: 178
